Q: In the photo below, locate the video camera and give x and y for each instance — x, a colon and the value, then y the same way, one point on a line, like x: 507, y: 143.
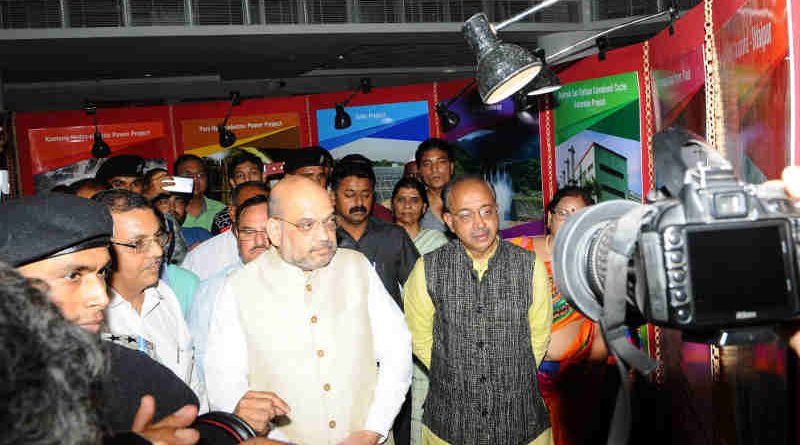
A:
x: 707, y: 254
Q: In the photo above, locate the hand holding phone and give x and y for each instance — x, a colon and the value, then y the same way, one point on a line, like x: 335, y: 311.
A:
x: 177, y: 184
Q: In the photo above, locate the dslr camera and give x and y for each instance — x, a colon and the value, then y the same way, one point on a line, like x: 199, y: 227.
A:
x: 710, y: 255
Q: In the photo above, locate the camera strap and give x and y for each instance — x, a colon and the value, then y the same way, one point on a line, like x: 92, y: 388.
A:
x: 621, y: 247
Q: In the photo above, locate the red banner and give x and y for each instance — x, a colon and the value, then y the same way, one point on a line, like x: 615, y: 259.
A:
x: 55, y: 147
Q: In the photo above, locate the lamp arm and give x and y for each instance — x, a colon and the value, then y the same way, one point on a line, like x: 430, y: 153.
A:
x: 347, y: 101
x: 568, y: 50
x: 523, y: 14
x: 460, y: 93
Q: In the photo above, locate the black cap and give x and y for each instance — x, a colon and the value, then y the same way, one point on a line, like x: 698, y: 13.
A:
x: 122, y: 165
x: 39, y: 227
x: 307, y: 157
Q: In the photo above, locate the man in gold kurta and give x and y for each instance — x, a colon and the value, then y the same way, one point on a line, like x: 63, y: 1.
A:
x: 475, y: 325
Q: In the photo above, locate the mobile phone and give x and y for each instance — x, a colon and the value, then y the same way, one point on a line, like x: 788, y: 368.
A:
x: 182, y: 185
x: 273, y: 168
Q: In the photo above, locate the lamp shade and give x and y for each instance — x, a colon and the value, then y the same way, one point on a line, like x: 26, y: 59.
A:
x: 448, y: 119
x: 546, y: 82
x: 100, y: 149
x: 503, y: 68
x: 226, y: 136
x: 342, y: 119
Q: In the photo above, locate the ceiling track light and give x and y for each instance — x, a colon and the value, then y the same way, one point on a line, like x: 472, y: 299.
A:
x: 448, y: 119
x: 100, y: 148
x: 226, y: 136
x: 342, y: 119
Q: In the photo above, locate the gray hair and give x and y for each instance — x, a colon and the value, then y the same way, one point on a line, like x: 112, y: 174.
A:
x: 448, y: 189
x: 51, y: 369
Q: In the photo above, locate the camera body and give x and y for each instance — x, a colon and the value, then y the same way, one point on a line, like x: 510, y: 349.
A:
x: 718, y: 256
x: 706, y: 254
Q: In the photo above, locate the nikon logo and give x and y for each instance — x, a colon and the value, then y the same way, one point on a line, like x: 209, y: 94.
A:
x: 745, y: 315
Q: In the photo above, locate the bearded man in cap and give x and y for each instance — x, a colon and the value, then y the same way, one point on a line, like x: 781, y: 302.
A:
x: 306, y: 334
x: 63, y: 241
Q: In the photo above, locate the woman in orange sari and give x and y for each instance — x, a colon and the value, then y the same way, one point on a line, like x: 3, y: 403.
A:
x: 570, y: 370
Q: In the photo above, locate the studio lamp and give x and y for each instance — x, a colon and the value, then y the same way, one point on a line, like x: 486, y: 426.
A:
x: 503, y: 68
x: 99, y: 148
x: 546, y: 81
x: 226, y: 136
x: 448, y: 119
x: 342, y: 120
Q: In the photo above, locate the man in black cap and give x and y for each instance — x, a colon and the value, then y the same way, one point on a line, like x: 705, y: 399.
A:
x: 122, y: 172
x: 63, y: 241
x: 315, y: 163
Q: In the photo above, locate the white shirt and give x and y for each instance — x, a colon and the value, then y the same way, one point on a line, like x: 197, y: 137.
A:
x: 198, y: 318
x: 160, y: 322
x: 226, y: 365
x: 213, y: 255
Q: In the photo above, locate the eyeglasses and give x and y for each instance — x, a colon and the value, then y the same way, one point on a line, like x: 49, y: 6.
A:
x: 249, y: 234
x: 468, y: 216
x: 143, y: 245
x: 307, y: 225
x: 562, y: 213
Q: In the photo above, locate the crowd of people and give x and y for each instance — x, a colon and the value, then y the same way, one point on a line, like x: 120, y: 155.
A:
x: 307, y: 309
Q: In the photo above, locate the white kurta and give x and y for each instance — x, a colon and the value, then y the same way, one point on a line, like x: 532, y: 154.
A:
x: 228, y: 369
x: 160, y: 322
x: 213, y: 255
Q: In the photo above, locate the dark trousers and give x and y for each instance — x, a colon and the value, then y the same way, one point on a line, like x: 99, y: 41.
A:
x: 401, y: 429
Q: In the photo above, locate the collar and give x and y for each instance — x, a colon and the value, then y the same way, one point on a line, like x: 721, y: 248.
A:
x: 372, y: 223
x: 150, y: 294
x: 482, y: 265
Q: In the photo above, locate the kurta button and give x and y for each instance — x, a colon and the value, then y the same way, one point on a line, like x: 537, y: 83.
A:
x: 332, y: 424
x: 313, y: 319
x: 485, y: 412
x: 483, y: 379
x: 326, y: 387
x: 308, y: 287
x: 480, y: 345
x: 479, y: 309
x: 320, y: 353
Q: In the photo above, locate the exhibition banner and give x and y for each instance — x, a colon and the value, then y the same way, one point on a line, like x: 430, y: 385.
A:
x: 200, y: 136
x: 597, y: 135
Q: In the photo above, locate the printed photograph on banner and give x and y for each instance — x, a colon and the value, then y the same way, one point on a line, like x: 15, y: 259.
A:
x: 754, y: 80
x: 61, y: 156
x: 501, y: 143
x: 387, y: 134
x: 262, y: 135
x: 598, y: 137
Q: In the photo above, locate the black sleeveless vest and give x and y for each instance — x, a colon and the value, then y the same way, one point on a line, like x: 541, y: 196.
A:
x: 483, y: 386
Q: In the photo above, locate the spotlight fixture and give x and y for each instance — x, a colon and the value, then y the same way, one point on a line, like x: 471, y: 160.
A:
x: 503, y: 68
x: 226, y: 137
x: 546, y: 81
x: 526, y: 107
x: 342, y: 119
x: 99, y: 147
x: 448, y: 119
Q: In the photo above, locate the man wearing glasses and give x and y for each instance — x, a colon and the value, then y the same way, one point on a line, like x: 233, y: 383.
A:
x: 305, y: 342
x: 142, y: 306
x: 476, y: 325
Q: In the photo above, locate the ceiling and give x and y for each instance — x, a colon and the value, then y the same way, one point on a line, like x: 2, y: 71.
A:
x: 44, y: 69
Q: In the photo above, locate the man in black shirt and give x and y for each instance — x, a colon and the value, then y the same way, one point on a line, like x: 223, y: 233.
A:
x: 386, y: 245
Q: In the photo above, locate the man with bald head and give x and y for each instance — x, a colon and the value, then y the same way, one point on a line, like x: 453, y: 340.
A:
x: 478, y: 329
x: 305, y: 341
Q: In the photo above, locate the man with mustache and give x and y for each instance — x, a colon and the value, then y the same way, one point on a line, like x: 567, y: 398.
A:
x: 477, y: 327
x: 250, y: 231
x: 219, y: 252
x: 62, y: 242
x: 305, y: 335
x: 142, y: 306
x: 386, y: 245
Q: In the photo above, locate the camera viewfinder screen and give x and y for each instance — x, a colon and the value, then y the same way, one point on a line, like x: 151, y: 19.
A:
x: 738, y: 269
